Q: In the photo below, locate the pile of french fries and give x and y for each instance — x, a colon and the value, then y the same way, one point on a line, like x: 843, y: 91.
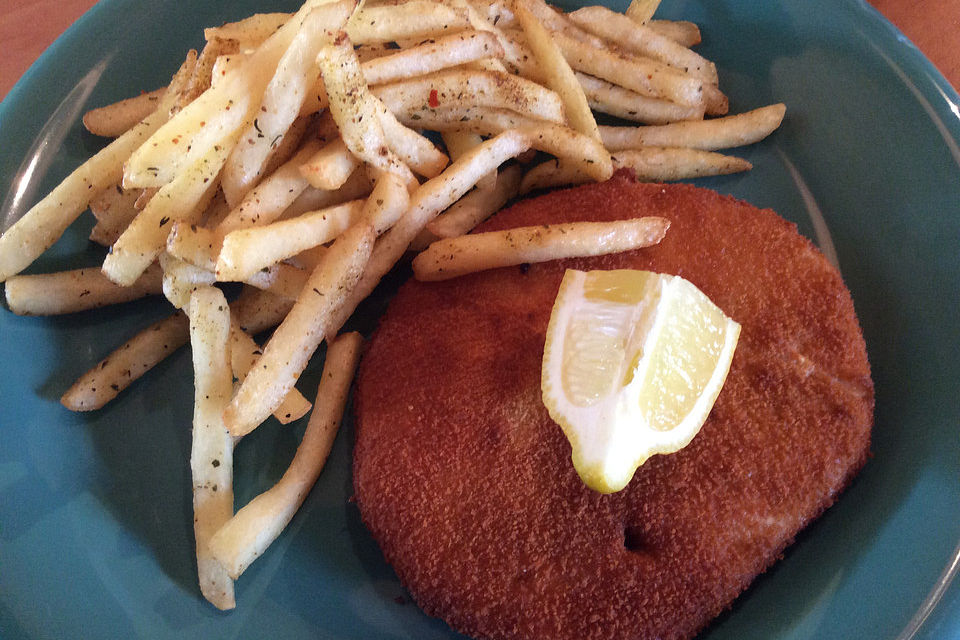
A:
x: 289, y: 155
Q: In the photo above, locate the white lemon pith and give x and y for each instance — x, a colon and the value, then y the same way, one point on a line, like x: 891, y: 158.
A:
x: 632, y: 365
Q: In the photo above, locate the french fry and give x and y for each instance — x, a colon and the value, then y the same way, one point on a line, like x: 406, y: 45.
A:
x: 76, y: 290
x: 582, y: 151
x: 247, y: 534
x: 114, y: 208
x: 181, y: 279
x: 552, y: 173
x: 499, y: 13
x: 256, y: 310
x: 357, y: 185
x: 202, y: 77
x: 518, y: 57
x: 127, y: 363
x: 417, y: 19
x: 640, y: 11
x: 211, y: 451
x: 281, y: 279
x: 216, y: 118
x: 144, y: 198
x: 559, y: 76
x: 317, y: 100
x: 715, y: 102
x: 225, y: 65
x: 185, y: 198
x: 708, y: 135
x: 481, y: 121
x: 435, y: 54
x: 115, y: 119
x: 556, y: 21
x: 477, y: 206
x: 416, y: 151
x: 104, y: 235
x: 486, y: 64
x: 633, y: 37
x: 330, y: 167
x: 682, y: 32
x: 458, y: 142
x: 196, y: 245
x: 217, y: 210
x: 387, y: 202
x: 642, y: 76
x: 355, y: 114
x: 549, y: 174
x: 478, y: 22
x: 289, y: 349
x: 651, y: 164
x: 282, y: 98
x: 46, y: 221
x: 409, y: 99
x: 272, y: 196
x: 113, y: 197
x: 290, y: 142
x: 668, y: 163
x: 251, y: 31
x: 434, y: 196
x: 246, y: 251
x: 244, y: 352
x: 367, y: 52
x: 453, y: 257
x: 439, y: 193
x: 609, y: 98
x: 309, y: 259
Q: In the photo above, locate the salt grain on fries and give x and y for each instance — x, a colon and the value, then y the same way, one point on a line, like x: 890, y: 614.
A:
x: 289, y: 132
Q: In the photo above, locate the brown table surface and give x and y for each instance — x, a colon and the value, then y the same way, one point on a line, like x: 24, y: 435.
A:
x: 27, y: 27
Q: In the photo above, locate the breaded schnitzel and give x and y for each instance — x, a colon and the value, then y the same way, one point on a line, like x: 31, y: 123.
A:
x: 467, y: 484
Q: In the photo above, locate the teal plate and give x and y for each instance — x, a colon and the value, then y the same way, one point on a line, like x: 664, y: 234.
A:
x: 95, y: 509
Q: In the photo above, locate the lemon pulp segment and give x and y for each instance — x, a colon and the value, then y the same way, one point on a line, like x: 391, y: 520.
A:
x: 632, y: 365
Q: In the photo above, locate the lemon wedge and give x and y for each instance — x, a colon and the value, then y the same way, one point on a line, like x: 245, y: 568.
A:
x: 632, y: 365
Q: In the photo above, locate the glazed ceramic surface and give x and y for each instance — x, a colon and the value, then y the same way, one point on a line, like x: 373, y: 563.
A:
x: 95, y: 509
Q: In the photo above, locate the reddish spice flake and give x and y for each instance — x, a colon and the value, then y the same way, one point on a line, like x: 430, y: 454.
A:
x: 434, y: 102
